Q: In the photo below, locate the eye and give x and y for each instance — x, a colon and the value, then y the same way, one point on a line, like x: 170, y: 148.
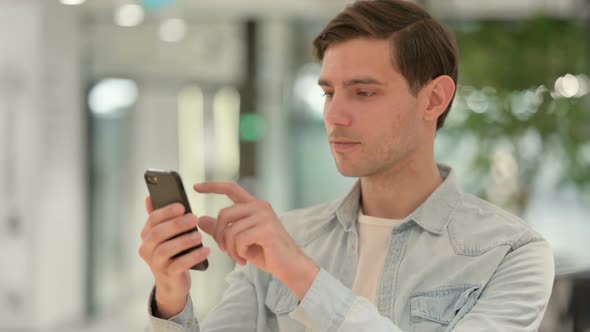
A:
x: 328, y: 94
x: 365, y: 93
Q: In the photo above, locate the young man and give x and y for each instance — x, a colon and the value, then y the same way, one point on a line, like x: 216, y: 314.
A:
x: 405, y: 250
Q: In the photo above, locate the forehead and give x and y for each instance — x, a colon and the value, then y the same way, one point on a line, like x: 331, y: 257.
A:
x: 359, y: 57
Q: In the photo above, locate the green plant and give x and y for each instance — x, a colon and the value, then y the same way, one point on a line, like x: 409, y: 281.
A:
x: 506, y: 99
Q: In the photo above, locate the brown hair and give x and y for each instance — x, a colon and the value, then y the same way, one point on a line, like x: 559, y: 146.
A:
x: 422, y: 49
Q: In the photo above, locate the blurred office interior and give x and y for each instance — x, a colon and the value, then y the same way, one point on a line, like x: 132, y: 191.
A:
x: 94, y: 92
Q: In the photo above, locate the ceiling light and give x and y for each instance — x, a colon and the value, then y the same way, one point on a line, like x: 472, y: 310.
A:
x: 72, y: 2
x: 112, y: 96
x: 172, y: 30
x: 129, y: 15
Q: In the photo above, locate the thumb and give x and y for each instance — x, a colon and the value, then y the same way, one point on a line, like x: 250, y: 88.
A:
x: 208, y: 224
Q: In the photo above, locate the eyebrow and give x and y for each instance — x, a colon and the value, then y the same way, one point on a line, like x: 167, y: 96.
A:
x: 356, y: 81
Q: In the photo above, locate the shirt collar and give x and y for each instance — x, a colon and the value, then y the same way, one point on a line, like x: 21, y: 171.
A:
x: 433, y: 215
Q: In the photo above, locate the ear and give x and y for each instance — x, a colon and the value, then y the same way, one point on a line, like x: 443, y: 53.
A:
x: 438, y: 95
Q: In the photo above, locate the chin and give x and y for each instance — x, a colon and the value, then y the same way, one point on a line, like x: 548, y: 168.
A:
x: 350, y: 175
x: 349, y: 171
x: 359, y: 171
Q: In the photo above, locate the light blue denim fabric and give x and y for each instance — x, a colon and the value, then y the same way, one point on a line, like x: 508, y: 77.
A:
x: 457, y: 263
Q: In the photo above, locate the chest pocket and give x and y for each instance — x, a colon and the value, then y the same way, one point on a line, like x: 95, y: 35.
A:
x: 441, y: 305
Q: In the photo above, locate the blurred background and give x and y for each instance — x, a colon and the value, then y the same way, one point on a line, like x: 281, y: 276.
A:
x: 94, y: 92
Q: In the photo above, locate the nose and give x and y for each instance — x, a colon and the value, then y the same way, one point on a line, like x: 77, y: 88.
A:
x: 337, y: 113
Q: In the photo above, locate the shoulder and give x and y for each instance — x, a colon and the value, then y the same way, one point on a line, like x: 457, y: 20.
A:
x: 478, y: 226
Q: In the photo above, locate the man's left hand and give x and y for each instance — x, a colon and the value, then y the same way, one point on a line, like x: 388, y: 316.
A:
x: 250, y: 231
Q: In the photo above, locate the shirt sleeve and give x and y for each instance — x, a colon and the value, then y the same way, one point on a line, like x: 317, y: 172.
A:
x: 237, y: 311
x: 185, y: 321
x: 331, y: 306
x: 515, y: 299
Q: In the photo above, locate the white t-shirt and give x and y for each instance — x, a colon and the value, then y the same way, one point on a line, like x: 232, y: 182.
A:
x: 374, y: 234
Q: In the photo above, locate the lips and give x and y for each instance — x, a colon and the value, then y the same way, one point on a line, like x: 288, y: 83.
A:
x: 343, y: 145
x: 343, y: 141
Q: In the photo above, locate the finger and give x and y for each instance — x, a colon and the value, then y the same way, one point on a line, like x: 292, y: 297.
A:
x: 246, y: 239
x: 231, y: 189
x: 170, y: 248
x: 208, y: 224
x: 166, y: 231
x: 149, y: 206
x: 188, y: 260
x: 232, y: 232
x: 158, y: 216
x: 232, y: 214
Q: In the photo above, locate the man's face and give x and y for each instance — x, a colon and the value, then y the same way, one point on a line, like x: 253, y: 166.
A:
x: 373, y: 121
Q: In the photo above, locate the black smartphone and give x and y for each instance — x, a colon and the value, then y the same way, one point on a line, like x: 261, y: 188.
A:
x: 165, y: 188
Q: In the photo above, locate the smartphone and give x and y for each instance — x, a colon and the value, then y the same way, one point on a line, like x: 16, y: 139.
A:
x: 165, y: 188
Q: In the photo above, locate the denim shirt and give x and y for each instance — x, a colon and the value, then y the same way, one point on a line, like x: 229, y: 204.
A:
x: 457, y: 263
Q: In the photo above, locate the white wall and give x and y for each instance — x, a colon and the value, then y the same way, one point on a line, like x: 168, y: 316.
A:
x: 43, y: 264
x: 210, y: 56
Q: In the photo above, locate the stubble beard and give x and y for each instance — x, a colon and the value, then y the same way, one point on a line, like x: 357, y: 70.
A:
x: 374, y: 164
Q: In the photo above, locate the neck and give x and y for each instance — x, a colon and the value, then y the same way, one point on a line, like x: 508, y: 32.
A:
x: 398, y: 191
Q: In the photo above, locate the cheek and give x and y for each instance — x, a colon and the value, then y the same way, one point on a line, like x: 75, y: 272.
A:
x: 393, y: 119
x: 408, y: 114
x: 401, y: 124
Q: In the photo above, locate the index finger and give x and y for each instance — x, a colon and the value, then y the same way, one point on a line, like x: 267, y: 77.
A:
x: 231, y: 189
x: 149, y: 206
x: 160, y: 215
x: 167, y: 212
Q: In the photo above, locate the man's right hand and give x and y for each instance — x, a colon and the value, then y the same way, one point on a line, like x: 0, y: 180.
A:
x: 173, y: 281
